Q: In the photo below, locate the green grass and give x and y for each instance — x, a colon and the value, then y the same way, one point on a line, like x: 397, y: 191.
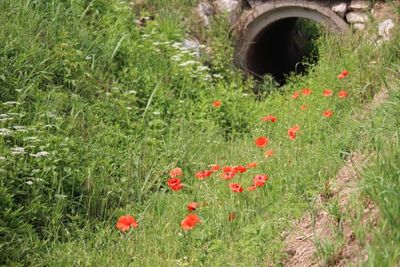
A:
x: 116, y: 109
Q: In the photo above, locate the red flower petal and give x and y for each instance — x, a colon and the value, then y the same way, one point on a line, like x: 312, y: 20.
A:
x: 342, y: 94
x: 327, y: 92
x: 190, y: 222
x: 124, y: 223
x: 269, y: 118
x: 236, y: 187
x: 306, y: 91
x: 192, y: 206
x: 216, y: 103
x: 327, y: 113
x: 261, y: 141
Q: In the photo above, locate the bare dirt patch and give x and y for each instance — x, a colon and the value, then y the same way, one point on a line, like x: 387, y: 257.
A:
x: 319, y: 225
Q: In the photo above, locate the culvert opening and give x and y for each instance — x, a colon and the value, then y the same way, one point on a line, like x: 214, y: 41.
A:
x: 286, y: 46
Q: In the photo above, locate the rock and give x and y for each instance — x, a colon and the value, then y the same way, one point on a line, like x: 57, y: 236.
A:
x: 232, y: 7
x: 356, y: 17
x: 340, y: 8
x: 192, y: 45
x: 204, y: 10
x: 254, y: 3
x: 359, y: 26
x: 358, y: 5
x: 385, y: 29
x: 228, y: 6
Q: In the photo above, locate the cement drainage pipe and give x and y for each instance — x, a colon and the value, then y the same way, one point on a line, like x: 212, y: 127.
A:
x: 266, y: 35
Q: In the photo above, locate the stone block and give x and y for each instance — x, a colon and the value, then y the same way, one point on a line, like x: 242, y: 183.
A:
x: 356, y: 17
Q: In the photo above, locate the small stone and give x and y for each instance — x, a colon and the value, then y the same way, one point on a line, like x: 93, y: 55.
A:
x: 204, y: 10
x: 359, y: 26
x: 254, y: 3
x: 226, y: 5
x: 359, y: 5
x: 356, y: 17
x: 193, y: 45
x: 231, y: 7
x: 385, y: 29
x: 291, y: 252
x: 340, y: 9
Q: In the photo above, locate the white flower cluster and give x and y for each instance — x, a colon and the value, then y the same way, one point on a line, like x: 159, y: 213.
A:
x: 17, y: 151
x: 40, y: 154
x: 5, y: 132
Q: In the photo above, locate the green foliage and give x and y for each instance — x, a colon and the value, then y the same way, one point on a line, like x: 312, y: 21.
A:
x: 95, y: 110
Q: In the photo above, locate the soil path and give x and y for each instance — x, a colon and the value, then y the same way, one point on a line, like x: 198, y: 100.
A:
x: 319, y: 226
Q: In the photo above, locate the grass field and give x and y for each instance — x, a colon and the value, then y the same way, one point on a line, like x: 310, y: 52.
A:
x: 95, y: 112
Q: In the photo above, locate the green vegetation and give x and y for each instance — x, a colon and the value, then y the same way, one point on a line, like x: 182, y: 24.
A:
x: 95, y: 111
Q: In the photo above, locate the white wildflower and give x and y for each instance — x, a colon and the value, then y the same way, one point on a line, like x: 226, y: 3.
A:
x: 5, y: 132
x: 129, y: 108
x: 20, y: 128
x: 202, y: 68
x: 2, y: 158
x: 187, y: 63
x: 176, y: 58
x: 29, y: 182
x: 11, y: 103
x: 33, y: 139
x: 17, y: 150
x: 40, y: 154
x: 177, y: 45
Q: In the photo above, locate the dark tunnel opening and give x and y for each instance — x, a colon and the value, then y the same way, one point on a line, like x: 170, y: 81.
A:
x: 285, y: 46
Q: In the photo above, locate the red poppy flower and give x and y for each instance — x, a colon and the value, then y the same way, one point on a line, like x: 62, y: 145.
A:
x: 190, y: 222
x: 306, y: 91
x: 231, y: 216
x: 343, y: 74
x: 260, y: 179
x: 236, y: 187
x: 175, y: 184
x: 303, y: 107
x: 240, y: 169
x: 252, y: 165
x: 192, y: 206
x: 177, y: 172
x: 269, y: 153
x: 214, y: 167
x: 261, y: 141
x: 228, y: 169
x: 216, y: 103
x: 228, y: 175
x: 295, y: 95
x: 292, y: 132
x: 327, y: 113
x: 124, y: 223
x: 269, y: 118
x: 327, y: 92
x: 342, y: 94
x: 251, y: 188
x: 201, y: 175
